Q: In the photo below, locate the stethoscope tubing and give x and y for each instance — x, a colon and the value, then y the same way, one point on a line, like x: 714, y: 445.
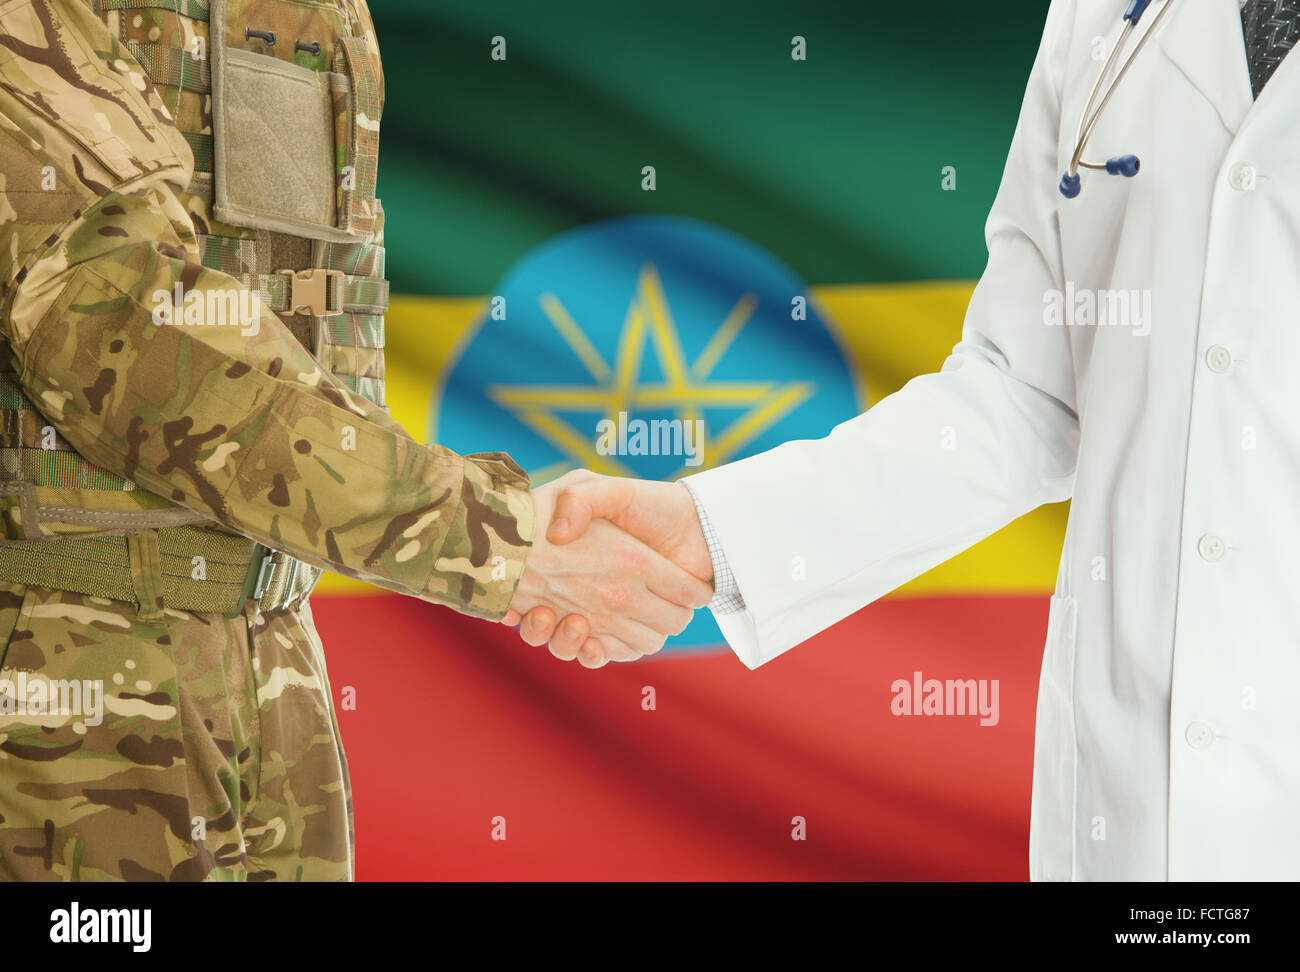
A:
x: 1088, y: 117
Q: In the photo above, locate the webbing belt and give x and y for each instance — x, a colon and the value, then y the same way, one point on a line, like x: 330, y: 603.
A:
x: 195, y: 9
x: 184, y: 568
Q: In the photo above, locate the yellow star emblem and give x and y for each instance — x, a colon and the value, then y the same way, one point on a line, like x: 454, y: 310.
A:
x: 685, y: 389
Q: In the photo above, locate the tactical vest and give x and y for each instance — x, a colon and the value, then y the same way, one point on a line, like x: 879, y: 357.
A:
x: 280, y: 102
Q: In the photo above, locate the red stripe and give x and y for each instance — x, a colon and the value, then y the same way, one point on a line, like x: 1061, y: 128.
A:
x: 458, y: 722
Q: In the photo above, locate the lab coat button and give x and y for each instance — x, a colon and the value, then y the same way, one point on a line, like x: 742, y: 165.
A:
x: 1219, y: 359
x: 1211, y: 547
x: 1200, y: 736
x: 1241, y: 176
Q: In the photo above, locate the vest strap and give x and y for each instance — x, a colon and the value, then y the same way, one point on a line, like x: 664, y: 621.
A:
x: 342, y: 292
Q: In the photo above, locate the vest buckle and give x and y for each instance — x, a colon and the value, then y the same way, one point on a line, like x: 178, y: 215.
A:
x: 310, y: 291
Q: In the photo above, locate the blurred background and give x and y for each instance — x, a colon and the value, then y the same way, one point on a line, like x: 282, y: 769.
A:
x: 759, y: 218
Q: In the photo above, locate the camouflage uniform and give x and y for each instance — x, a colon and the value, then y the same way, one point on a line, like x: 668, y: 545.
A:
x: 156, y: 469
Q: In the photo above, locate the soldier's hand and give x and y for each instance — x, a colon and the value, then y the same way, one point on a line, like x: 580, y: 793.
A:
x: 628, y: 597
x: 661, y: 515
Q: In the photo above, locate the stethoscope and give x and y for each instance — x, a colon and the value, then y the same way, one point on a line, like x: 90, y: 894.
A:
x: 1122, y: 165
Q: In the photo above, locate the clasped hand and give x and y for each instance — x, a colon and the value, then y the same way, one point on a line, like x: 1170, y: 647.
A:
x: 617, y: 565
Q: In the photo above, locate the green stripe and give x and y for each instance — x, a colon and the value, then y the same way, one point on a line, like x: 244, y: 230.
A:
x: 832, y: 164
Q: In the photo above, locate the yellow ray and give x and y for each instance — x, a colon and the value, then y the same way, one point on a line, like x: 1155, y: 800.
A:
x: 720, y: 394
x: 631, y: 346
x: 672, y: 360
x: 573, y: 398
x: 724, y: 337
x: 749, y: 426
x: 575, y: 337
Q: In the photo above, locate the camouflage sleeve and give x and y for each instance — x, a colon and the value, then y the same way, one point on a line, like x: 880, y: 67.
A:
x: 239, y: 423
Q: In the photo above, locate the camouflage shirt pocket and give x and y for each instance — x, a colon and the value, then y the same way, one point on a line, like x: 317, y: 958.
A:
x: 78, y: 80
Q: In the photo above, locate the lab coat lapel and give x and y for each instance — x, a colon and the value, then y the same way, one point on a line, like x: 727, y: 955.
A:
x: 1203, y: 38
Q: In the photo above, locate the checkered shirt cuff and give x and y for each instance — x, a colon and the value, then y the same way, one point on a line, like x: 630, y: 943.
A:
x: 726, y: 593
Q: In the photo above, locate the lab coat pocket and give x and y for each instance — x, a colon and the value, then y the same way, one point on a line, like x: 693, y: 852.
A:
x: 1051, y: 829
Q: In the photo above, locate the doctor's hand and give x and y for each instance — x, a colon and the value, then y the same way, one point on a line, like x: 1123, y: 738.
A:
x: 661, y: 515
x: 629, y: 597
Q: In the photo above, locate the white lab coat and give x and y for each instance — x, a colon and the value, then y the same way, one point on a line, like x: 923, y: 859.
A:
x: 1168, y: 733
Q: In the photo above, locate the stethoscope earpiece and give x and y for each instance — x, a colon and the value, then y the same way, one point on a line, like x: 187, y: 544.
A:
x: 1124, y: 165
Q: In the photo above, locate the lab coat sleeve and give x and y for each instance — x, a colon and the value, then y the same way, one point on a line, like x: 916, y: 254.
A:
x: 816, y: 529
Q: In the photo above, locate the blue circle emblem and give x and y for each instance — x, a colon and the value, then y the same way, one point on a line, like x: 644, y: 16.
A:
x: 649, y: 346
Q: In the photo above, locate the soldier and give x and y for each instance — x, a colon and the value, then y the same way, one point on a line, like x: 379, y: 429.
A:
x: 180, y: 461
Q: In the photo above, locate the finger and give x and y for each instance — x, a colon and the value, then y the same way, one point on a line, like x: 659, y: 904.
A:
x: 579, y: 504
x: 537, y: 626
x: 591, y: 655
x: 570, y: 635
x: 512, y: 618
x: 670, y: 582
x: 563, y: 652
x: 612, y: 648
x: 639, y: 637
x: 631, y: 611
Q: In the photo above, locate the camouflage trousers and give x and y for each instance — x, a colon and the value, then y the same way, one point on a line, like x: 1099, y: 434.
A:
x: 214, y: 755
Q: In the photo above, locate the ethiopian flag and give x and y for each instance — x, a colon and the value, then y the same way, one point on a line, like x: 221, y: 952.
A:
x: 733, y: 225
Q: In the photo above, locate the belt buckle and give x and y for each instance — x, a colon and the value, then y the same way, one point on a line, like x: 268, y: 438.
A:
x: 309, y: 291
x: 264, y: 574
x: 254, y: 578
x: 266, y: 568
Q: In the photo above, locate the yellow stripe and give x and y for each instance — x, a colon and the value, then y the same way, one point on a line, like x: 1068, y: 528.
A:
x: 891, y: 331
x: 895, y: 332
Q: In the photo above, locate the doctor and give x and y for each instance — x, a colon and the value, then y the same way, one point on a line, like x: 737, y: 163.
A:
x: 1168, y: 732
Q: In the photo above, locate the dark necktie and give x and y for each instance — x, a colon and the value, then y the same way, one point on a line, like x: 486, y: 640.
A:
x: 1271, y: 29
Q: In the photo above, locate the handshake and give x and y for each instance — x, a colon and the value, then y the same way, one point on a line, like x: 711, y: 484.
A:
x: 617, y: 566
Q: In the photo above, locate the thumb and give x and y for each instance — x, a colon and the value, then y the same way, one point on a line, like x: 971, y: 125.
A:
x: 579, y: 504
